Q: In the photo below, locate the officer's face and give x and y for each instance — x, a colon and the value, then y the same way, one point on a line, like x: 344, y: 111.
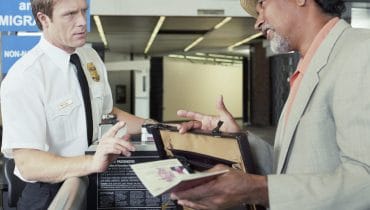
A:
x: 66, y: 28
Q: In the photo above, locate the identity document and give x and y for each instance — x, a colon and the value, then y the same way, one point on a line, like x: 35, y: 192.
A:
x: 170, y: 175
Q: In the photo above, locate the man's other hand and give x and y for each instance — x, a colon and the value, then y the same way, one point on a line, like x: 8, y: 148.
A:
x: 209, y: 122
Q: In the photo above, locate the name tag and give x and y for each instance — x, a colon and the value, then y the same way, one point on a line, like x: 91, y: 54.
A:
x: 65, y: 104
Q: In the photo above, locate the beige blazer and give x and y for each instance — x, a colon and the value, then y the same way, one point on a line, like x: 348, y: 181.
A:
x: 324, y: 149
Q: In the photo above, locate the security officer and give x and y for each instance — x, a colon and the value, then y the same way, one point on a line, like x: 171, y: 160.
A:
x: 51, y: 111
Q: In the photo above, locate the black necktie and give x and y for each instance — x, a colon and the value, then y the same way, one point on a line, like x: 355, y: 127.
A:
x: 85, y: 94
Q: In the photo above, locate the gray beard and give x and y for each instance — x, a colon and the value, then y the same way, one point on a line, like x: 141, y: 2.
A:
x: 279, y: 44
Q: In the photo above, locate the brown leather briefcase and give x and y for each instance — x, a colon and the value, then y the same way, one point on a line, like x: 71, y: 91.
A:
x: 199, y: 150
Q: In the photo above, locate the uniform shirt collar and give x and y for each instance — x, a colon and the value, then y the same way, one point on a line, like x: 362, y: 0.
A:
x: 58, y: 56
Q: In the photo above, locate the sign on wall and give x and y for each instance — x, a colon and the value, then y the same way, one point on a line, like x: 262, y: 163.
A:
x: 14, y: 47
x: 16, y: 15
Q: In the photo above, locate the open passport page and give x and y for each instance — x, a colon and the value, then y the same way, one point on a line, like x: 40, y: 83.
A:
x: 170, y: 175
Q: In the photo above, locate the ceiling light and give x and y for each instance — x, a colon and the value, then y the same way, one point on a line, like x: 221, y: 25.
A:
x: 242, y: 51
x: 225, y: 56
x: 176, y: 56
x: 195, y: 58
x: 207, y: 60
x: 223, y: 22
x: 100, y: 30
x: 194, y: 43
x: 154, y: 33
x: 200, y: 54
x: 248, y: 39
x: 224, y: 60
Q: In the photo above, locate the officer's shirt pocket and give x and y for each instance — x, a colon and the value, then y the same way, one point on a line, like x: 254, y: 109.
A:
x: 63, y: 116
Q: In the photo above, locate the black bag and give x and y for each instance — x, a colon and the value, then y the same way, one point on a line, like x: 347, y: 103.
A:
x: 199, y: 150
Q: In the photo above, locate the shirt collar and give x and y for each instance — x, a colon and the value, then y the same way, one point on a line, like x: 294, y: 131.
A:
x: 319, y: 38
x: 55, y: 54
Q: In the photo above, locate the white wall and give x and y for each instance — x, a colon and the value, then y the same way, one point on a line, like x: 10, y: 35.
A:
x: 360, y: 17
x: 141, y: 96
x: 196, y: 87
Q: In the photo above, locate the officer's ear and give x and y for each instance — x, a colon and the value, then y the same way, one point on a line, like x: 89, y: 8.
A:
x: 44, y: 20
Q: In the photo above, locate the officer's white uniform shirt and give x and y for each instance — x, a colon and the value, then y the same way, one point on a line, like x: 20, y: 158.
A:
x: 42, y: 105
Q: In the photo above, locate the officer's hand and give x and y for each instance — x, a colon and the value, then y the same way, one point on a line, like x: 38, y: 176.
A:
x: 110, y: 147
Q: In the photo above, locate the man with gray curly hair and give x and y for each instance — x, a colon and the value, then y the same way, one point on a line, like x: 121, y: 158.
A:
x: 321, y: 157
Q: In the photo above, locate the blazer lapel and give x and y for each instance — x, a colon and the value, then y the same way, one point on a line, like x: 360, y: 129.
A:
x: 307, y: 87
